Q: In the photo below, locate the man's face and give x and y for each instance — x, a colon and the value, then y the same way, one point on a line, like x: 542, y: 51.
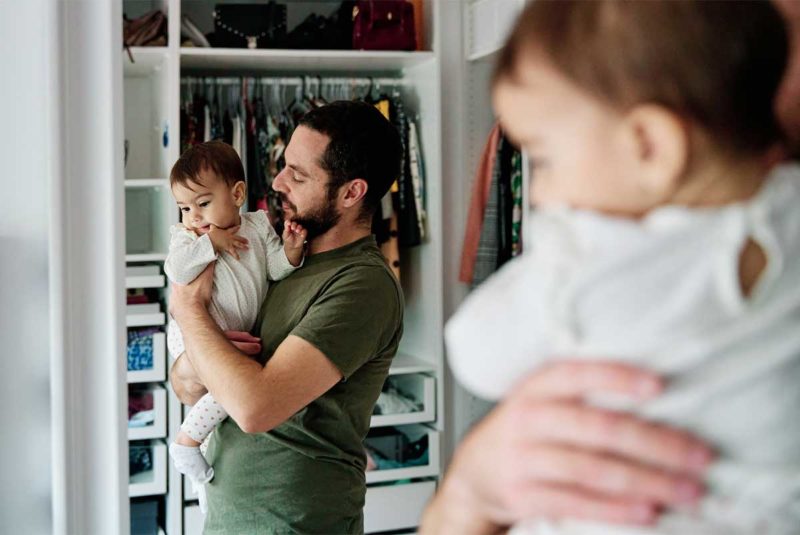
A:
x: 303, y: 184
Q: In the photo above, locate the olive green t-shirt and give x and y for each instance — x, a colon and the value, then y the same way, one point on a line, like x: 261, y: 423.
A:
x: 307, y: 474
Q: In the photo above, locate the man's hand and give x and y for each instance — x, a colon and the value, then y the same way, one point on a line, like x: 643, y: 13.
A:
x: 544, y: 453
x: 194, y: 296
x: 294, y: 238
x: 245, y: 342
x: 226, y: 240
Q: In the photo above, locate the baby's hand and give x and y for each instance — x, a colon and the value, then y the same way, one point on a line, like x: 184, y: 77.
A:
x: 225, y: 239
x: 294, y: 237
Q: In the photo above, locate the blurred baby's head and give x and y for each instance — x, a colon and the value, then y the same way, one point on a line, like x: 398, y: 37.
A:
x: 618, y: 101
x: 208, y: 184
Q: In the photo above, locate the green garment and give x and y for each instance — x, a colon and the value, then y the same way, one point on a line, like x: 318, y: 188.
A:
x: 307, y: 474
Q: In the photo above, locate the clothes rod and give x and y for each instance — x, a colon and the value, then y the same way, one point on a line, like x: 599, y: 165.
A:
x: 296, y: 80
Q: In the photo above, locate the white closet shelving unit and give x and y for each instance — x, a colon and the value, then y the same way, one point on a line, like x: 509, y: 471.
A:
x: 395, y: 498
x: 151, y: 134
x: 476, y: 31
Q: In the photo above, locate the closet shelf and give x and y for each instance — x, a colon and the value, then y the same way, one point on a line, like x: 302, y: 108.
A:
x: 150, y: 281
x: 146, y: 257
x: 431, y: 469
x: 488, y: 23
x: 407, y: 364
x: 147, y: 183
x: 145, y: 320
x: 418, y: 388
x: 158, y: 427
x: 159, y: 370
x: 146, y: 60
x: 227, y: 59
x: 152, y: 482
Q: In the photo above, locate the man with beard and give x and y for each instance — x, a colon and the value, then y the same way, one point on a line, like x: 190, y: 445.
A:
x: 290, y: 457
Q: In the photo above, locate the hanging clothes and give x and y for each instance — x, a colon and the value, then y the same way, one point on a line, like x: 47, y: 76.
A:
x: 494, y: 223
x: 417, y: 176
x: 251, y: 116
x: 206, y: 123
x: 481, y: 187
x: 407, y: 223
x: 505, y: 202
x: 489, y: 244
x: 517, y: 203
x: 384, y: 222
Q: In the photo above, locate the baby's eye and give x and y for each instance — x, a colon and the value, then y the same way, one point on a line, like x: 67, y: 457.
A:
x: 204, y: 204
x: 185, y: 209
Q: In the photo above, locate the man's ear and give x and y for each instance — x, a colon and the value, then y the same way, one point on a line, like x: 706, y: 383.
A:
x: 354, y: 192
x: 658, y: 143
x: 239, y: 192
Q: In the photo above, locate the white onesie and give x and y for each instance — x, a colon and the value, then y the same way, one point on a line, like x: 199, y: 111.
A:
x: 240, y: 287
x: 663, y: 293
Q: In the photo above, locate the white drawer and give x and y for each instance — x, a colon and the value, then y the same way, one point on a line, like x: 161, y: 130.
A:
x: 426, y: 470
x: 421, y: 389
x: 396, y: 506
x: 157, y: 429
x: 144, y: 315
x: 193, y: 520
x: 188, y: 491
x: 148, y: 276
x: 153, y: 481
x: 158, y: 372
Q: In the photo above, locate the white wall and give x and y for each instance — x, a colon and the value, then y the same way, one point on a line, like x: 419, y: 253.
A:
x: 24, y: 291
x: 63, y: 462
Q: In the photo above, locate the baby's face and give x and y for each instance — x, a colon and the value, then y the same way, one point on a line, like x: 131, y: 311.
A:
x: 579, y: 153
x: 211, y: 202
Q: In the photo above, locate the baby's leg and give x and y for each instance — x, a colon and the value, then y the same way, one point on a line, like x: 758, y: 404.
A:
x: 174, y: 340
x: 185, y: 451
x: 202, y: 419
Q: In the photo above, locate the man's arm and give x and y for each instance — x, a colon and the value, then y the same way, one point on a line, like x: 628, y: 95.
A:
x: 257, y: 398
x: 553, y: 456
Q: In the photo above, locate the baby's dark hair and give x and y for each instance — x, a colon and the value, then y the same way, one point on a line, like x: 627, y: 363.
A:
x: 717, y: 64
x: 215, y: 156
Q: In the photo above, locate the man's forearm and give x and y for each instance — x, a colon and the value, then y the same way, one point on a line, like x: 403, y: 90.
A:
x: 231, y: 377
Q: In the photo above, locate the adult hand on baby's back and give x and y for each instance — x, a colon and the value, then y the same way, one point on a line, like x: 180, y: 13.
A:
x: 244, y: 342
x: 195, y: 295
x: 545, y: 453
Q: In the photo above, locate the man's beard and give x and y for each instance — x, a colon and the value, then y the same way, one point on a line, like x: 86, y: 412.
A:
x: 316, y: 221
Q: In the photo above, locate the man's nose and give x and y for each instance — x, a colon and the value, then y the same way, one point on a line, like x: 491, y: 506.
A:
x: 278, y: 183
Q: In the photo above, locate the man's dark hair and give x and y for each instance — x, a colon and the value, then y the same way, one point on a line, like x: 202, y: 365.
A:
x: 362, y: 144
x: 215, y: 156
x: 718, y: 64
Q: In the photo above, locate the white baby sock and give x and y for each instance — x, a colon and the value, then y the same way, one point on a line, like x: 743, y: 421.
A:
x: 190, y: 462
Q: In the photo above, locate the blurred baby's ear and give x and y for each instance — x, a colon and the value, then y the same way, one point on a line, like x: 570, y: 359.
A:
x: 659, y: 141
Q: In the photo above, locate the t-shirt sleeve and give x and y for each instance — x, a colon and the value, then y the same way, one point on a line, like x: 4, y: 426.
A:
x: 355, y: 318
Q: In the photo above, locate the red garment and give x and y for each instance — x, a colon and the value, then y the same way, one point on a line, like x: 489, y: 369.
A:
x: 480, y: 195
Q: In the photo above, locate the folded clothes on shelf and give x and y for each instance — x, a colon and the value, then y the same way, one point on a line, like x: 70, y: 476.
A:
x: 388, y: 448
x: 140, y: 459
x: 394, y: 401
x: 142, y: 419
x: 140, y: 348
x: 140, y: 409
